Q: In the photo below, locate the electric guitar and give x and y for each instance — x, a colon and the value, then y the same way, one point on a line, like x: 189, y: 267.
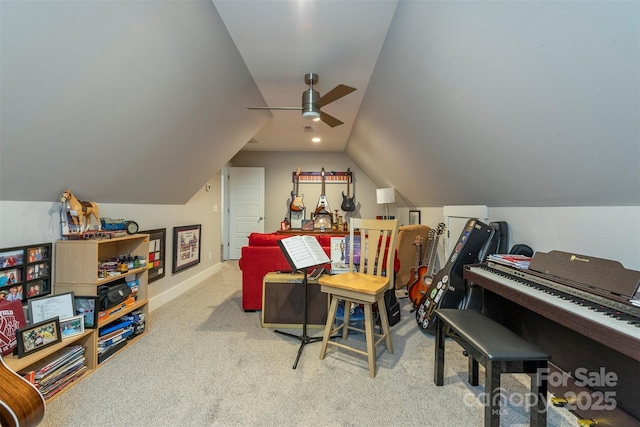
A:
x: 21, y: 404
x: 348, y: 204
x: 296, y: 198
x: 426, y: 271
x: 323, y: 204
x: 413, y: 271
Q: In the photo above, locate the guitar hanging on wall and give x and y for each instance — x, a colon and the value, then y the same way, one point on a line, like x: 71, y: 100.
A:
x: 296, y: 198
x: 323, y: 217
x: 348, y: 204
x: 323, y: 204
x: 427, y: 270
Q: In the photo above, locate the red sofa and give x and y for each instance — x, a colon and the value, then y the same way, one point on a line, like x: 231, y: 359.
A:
x: 262, y: 256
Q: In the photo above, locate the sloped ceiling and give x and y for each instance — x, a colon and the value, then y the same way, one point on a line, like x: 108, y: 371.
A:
x: 506, y: 104
x: 483, y: 102
x: 125, y: 101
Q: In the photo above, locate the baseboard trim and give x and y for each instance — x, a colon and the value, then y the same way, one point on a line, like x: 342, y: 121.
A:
x: 179, y: 289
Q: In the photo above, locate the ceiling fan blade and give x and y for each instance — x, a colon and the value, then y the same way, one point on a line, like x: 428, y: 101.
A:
x: 274, y: 108
x: 330, y: 120
x: 335, y: 93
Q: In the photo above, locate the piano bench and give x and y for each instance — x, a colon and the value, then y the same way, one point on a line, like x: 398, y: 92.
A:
x: 500, y: 351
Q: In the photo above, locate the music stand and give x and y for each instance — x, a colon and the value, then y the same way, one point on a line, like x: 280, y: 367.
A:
x: 303, y: 252
x: 304, y: 338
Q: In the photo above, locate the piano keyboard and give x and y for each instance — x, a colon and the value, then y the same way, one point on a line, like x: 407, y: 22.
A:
x: 623, y: 319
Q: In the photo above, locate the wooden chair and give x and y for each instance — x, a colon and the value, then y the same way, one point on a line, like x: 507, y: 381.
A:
x: 366, y: 286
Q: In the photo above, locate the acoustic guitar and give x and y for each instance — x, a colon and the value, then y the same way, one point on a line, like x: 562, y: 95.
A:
x: 21, y: 404
x: 413, y: 271
x: 348, y: 204
x: 296, y: 198
x: 427, y: 270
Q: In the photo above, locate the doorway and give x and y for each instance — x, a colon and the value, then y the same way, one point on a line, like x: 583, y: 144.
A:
x: 245, y: 198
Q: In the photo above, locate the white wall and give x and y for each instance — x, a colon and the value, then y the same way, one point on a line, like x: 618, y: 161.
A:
x: 278, y: 185
x: 25, y: 223
x: 604, y: 232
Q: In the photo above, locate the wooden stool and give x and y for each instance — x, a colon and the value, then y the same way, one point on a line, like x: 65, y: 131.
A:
x: 365, y: 289
x: 374, y: 253
x: 500, y: 351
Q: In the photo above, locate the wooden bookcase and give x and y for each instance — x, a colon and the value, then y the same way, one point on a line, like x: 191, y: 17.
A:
x: 76, y: 269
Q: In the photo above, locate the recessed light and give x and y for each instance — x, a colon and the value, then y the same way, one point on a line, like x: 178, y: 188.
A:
x: 317, y: 119
x: 316, y: 139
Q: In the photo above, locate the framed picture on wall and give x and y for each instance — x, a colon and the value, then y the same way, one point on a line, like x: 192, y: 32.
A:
x: 414, y: 217
x: 186, y: 247
x: 157, y: 244
x: 25, y: 272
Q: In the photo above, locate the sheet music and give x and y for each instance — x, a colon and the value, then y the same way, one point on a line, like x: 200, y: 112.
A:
x: 303, y: 252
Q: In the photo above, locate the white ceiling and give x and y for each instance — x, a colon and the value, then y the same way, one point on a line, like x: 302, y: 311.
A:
x: 281, y: 41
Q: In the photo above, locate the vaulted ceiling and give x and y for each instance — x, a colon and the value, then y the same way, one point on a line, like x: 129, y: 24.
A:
x: 482, y: 102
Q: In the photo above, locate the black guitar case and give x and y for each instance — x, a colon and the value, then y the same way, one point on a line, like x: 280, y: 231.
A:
x: 498, y: 244
x: 447, y: 290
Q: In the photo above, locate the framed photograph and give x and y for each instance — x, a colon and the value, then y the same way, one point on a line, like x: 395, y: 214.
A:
x: 38, y: 253
x: 61, y: 306
x: 414, y: 217
x: 21, y: 267
x: 307, y: 224
x: 38, y: 288
x: 86, y: 307
x: 37, y: 271
x: 72, y: 326
x: 157, y: 244
x: 11, y: 258
x: 12, y: 293
x: 10, y: 277
x: 38, y: 336
x: 186, y: 247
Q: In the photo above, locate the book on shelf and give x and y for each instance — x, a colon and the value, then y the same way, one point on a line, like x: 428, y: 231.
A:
x: 65, y: 371
x: 54, y: 361
x: 517, y: 261
x: 110, y: 351
x: 117, y: 336
x: 303, y: 252
x: 54, y: 389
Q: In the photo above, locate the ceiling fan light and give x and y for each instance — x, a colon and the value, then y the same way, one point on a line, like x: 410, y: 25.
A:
x: 311, y: 115
x: 309, y: 107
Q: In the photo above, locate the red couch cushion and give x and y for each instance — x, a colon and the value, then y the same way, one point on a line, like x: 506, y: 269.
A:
x: 264, y: 239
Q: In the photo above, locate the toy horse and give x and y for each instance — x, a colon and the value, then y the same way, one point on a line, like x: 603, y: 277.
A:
x: 81, y: 211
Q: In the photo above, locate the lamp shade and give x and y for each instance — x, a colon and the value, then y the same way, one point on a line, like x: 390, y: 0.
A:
x: 385, y: 195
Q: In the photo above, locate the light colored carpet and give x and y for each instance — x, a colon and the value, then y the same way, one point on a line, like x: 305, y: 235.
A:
x: 205, y: 362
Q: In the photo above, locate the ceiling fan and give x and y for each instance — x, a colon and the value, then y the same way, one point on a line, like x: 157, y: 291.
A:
x: 312, y: 102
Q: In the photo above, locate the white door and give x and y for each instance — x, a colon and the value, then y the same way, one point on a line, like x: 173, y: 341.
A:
x: 246, y: 207
x: 456, y: 218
